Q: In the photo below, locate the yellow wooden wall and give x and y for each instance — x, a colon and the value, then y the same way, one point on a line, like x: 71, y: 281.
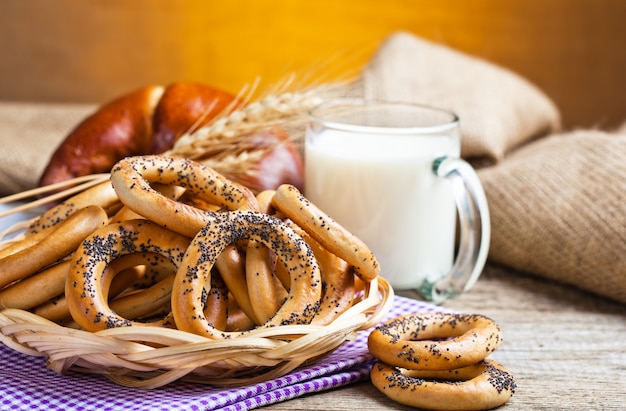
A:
x: 94, y: 50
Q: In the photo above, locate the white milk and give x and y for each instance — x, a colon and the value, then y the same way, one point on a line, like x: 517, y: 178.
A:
x: 383, y: 190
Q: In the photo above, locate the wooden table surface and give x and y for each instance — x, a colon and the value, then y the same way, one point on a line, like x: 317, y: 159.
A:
x: 566, y: 348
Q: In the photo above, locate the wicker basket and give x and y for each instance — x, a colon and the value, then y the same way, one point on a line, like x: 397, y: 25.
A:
x: 150, y: 357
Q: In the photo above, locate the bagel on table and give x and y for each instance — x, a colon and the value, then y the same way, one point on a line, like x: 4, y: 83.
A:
x: 438, y: 361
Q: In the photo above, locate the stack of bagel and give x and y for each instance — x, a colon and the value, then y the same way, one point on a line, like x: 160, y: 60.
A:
x: 438, y: 361
x: 170, y: 242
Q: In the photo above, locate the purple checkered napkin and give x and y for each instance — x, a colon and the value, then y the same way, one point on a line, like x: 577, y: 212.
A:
x: 26, y: 383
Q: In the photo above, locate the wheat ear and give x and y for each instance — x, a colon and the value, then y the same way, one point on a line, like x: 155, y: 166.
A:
x: 225, y: 132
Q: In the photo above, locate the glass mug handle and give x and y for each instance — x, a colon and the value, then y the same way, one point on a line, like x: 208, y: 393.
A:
x: 474, y: 230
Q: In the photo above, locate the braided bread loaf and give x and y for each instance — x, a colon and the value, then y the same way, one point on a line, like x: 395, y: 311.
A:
x: 150, y: 120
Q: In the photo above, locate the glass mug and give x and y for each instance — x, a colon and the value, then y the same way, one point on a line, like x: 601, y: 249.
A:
x: 391, y: 174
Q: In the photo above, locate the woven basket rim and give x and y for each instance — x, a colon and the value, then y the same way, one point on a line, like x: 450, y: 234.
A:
x: 150, y: 357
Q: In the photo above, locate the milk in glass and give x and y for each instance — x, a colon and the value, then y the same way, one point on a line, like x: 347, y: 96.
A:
x: 382, y: 188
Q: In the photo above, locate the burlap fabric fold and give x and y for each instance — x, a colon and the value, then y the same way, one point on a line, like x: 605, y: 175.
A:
x: 558, y: 210
x: 30, y: 133
x: 499, y: 109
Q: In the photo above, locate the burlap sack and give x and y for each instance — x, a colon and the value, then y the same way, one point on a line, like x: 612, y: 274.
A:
x: 30, y: 133
x: 558, y: 210
x: 498, y: 109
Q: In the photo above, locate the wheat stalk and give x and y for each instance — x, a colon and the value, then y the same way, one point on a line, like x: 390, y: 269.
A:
x: 226, y: 142
x: 222, y: 137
